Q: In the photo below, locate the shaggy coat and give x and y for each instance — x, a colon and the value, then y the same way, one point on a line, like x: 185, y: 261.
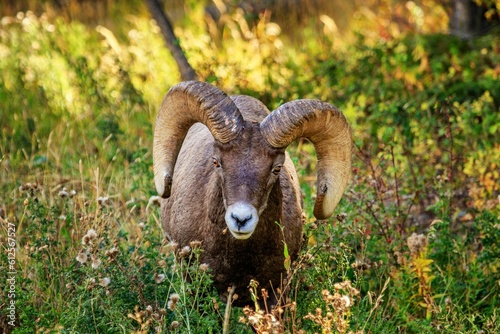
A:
x: 233, y: 261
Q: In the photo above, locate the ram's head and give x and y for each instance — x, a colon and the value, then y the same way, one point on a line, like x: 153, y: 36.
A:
x: 248, y: 155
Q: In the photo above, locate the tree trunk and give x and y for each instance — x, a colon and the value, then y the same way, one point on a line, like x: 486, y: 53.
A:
x: 467, y: 19
x: 187, y: 72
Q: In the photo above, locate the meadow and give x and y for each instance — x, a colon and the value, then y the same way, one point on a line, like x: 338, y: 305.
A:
x: 414, y: 245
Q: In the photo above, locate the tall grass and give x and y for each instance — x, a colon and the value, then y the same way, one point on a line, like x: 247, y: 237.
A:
x: 413, y: 246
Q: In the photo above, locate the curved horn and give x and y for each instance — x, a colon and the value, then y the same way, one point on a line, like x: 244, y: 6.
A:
x: 185, y: 104
x: 327, y: 128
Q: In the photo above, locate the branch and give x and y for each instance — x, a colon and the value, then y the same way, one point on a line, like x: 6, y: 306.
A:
x: 187, y: 72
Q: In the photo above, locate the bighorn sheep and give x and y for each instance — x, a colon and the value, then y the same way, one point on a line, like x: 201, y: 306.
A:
x: 232, y: 174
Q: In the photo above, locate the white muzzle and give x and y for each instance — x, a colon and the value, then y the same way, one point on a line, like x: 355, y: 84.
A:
x: 241, y: 219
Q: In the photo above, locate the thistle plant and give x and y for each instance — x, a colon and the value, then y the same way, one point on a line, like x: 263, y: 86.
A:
x: 335, y: 317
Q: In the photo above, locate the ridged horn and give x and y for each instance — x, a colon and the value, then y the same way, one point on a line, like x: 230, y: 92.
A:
x: 327, y: 128
x: 185, y: 104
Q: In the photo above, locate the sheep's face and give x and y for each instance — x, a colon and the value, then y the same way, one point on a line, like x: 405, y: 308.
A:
x: 248, y: 168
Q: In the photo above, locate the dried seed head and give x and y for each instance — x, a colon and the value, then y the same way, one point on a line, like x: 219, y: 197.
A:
x: 185, y: 251
x: 340, y: 286
x: 399, y: 258
x: 204, y: 267
x: 247, y: 310
x: 63, y: 193
x: 171, y: 247
x: 28, y: 186
x: 175, y: 324
x: 85, y: 239
x: 216, y: 305
x: 159, y: 278
x: 103, y: 200
x: 174, y: 297
x: 90, y: 283
x: 346, y: 300
x: 112, y: 252
x: 342, y: 216
x: 96, y: 263
x: 253, y: 319
x: 417, y: 243
x: 92, y: 234
x: 154, y: 200
x: 82, y: 257
x: 104, y: 282
x: 361, y: 265
x: 195, y: 244
x: 149, y: 309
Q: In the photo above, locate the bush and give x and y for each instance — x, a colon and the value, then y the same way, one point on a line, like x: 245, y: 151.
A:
x: 414, y: 246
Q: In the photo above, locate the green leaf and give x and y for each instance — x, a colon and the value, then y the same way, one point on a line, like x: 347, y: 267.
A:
x: 288, y: 260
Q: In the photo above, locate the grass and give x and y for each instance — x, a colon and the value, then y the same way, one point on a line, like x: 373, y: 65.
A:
x: 414, y: 245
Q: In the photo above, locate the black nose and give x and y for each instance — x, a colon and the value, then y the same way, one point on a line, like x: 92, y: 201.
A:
x: 240, y: 221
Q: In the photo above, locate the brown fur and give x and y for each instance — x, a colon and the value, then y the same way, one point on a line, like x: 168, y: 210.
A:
x: 196, y: 208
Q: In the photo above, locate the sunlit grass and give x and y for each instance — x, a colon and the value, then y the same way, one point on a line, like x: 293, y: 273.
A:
x: 78, y: 107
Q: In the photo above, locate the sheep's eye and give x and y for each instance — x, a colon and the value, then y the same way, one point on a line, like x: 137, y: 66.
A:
x: 216, y: 163
x: 276, y: 170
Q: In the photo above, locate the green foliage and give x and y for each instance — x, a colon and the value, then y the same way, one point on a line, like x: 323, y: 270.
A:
x: 414, y: 246
x: 118, y: 279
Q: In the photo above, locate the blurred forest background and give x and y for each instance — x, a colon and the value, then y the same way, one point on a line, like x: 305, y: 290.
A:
x: 415, y: 244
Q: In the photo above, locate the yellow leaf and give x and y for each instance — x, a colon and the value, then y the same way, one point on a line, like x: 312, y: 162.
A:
x: 422, y: 262
x: 424, y: 305
x: 311, y: 242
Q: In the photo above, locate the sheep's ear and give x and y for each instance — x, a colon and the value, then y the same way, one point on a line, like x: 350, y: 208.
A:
x: 327, y: 128
x: 185, y: 104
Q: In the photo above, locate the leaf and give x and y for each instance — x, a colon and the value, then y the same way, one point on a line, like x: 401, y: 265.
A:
x: 287, y: 263
x: 423, y: 304
x: 439, y: 295
x: 311, y: 242
x: 285, y: 250
x: 430, y: 278
x: 288, y: 260
x: 422, y: 263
